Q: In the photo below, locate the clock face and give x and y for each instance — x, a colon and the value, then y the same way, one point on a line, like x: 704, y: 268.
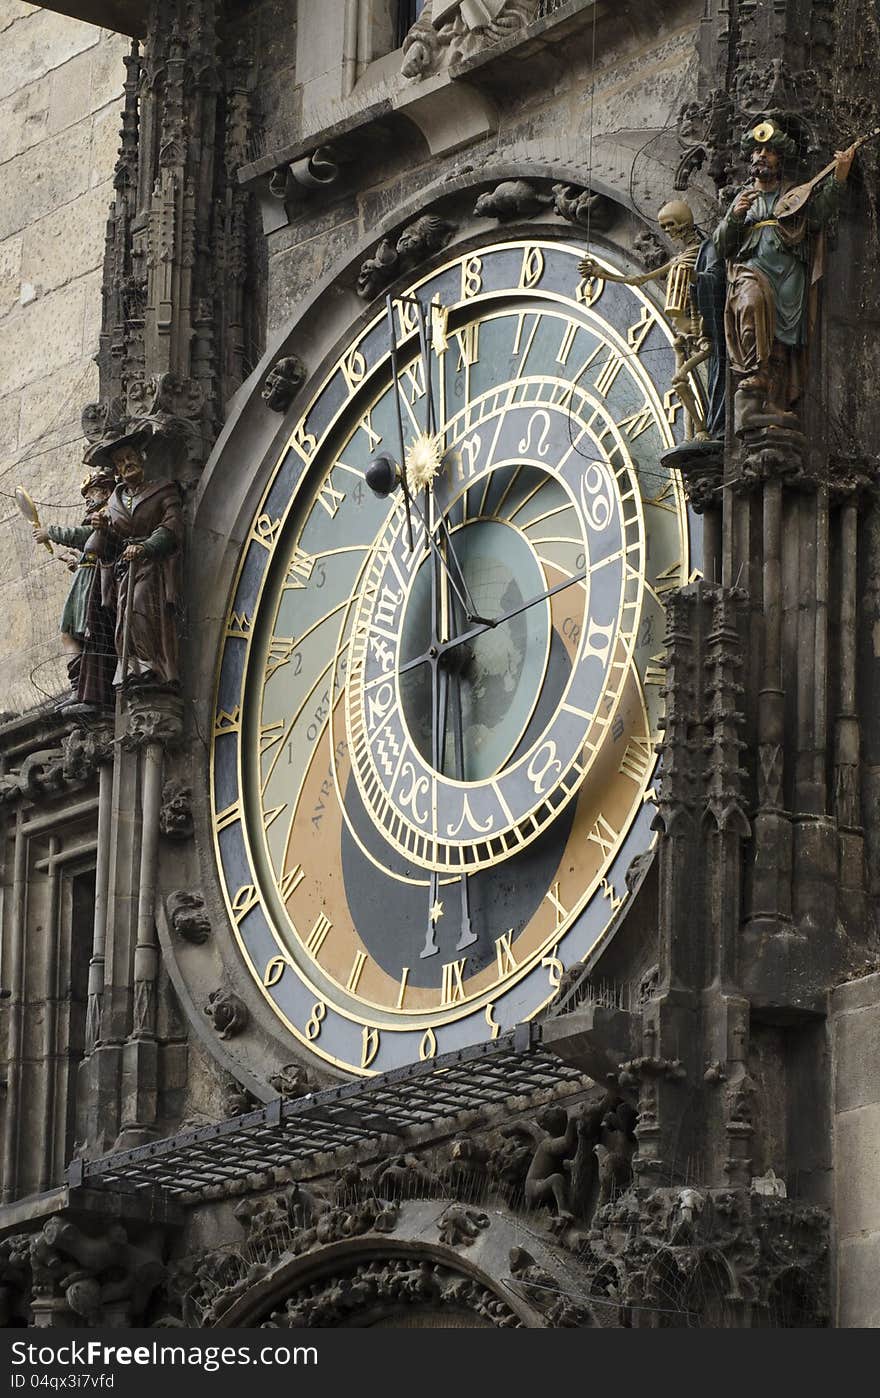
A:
x: 433, y: 756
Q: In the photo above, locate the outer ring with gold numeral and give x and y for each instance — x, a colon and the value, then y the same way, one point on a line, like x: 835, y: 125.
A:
x: 287, y: 788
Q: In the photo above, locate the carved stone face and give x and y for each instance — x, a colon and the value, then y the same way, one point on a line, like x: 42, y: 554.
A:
x: 677, y: 221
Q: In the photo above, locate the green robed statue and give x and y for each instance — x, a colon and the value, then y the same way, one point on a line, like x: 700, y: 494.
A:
x: 772, y: 239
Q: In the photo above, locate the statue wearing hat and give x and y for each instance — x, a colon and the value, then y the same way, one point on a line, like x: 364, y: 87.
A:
x: 142, y: 586
x: 771, y: 237
x: 86, y: 626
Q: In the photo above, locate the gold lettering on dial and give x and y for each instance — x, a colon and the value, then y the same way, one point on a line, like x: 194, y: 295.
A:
x: 318, y: 935
x: 374, y: 438
x: 428, y: 1046
x: 265, y: 529
x: 360, y: 960
x: 315, y: 1020
x: 304, y: 442
x: 561, y: 910
x: 270, y: 735
x: 452, y: 989
x: 568, y: 339
x: 414, y: 375
x: 404, y: 977
x: 244, y: 900
x: 227, y: 721
x: 637, y: 761
x: 471, y: 277
x: 504, y: 953
x: 291, y: 880
x: 299, y: 569
x: 554, y: 968
x: 609, y: 892
x: 606, y: 377
x: 491, y: 1021
x: 239, y: 626
x: 637, y: 422
x: 228, y: 816
x: 668, y: 579
x: 369, y: 1045
x: 330, y: 498
x: 544, y: 768
x: 281, y: 648
x: 275, y: 969
x: 354, y: 369
x: 532, y: 268
x: 655, y: 670
x: 638, y: 333
x: 603, y: 834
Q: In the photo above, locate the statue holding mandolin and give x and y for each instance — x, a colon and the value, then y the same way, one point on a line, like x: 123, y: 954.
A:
x: 772, y: 239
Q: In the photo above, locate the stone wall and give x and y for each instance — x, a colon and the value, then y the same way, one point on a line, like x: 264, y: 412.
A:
x: 60, y: 85
x: 856, y: 1040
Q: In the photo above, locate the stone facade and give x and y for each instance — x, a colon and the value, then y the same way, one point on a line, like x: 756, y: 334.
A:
x: 712, y: 1131
x: 60, y: 91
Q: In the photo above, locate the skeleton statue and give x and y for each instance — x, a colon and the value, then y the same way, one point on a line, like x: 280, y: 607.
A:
x: 694, y: 307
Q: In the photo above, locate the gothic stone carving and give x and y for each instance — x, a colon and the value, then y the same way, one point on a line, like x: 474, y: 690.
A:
x: 512, y: 199
x: 282, y: 383
x: 175, y: 816
x: 582, y: 207
x: 293, y: 1080
x: 418, y: 241
x: 459, y: 1225
x: 188, y: 917
x: 92, y: 1273
x: 227, y: 1012
x: 462, y: 32
x: 699, y: 1256
x: 389, y: 1285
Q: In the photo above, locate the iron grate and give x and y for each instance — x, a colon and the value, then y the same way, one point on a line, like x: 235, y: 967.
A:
x: 298, y: 1128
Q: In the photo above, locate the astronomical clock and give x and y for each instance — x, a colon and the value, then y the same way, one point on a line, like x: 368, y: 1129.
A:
x: 440, y: 684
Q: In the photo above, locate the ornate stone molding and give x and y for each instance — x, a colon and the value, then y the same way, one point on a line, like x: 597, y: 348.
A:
x: 710, y: 1257
x: 417, y: 242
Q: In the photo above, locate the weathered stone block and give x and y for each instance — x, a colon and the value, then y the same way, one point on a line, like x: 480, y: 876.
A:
x: 41, y: 336
x: 108, y: 72
x: 10, y: 411
x: 38, y: 44
x: 50, y: 408
x: 105, y: 143
x: 856, y: 995
x: 857, y: 1059
x: 70, y: 92
x: 10, y: 274
x: 12, y: 10
x: 24, y: 119
x: 858, y: 1295
x: 68, y: 242
x: 857, y: 1170
x: 45, y: 177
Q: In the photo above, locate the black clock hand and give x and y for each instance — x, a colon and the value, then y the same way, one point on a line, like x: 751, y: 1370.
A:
x: 439, y: 696
x: 430, y: 431
x: 484, y: 625
x: 467, y: 936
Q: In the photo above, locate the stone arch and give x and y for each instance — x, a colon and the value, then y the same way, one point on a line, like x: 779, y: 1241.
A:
x: 508, y: 1275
